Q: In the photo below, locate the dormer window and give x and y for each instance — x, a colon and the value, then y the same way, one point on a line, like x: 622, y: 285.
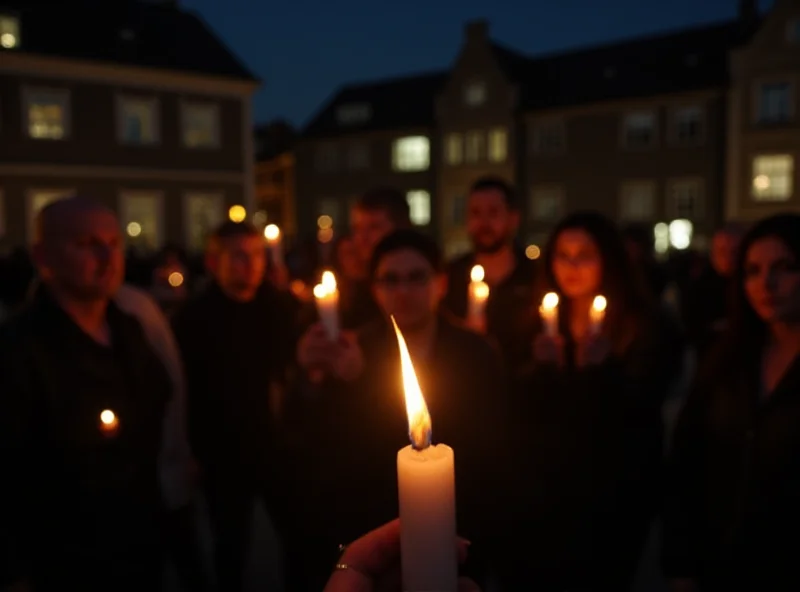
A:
x: 9, y: 31
x: 353, y: 113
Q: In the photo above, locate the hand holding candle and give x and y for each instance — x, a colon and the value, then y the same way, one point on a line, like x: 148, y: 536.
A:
x: 597, y: 313
x: 477, y: 296
x: 109, y: 423
x: 549, y: 313
x: 327, y: 296
x: 273, y: 235
x: 426, y: 488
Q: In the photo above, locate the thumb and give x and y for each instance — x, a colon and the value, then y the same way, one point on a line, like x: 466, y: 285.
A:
x: 467, y: 585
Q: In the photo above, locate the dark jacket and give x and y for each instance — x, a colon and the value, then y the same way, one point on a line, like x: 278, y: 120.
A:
x: 79, y: 509
x: 733, y: 509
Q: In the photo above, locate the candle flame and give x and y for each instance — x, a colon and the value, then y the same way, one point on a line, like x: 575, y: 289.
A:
x: 481, y: 290
x: 550, y: 301
x: 272, y: 232
x: 477, y: 274
x: 419, y: 420
x: 108, y: 417
x: 329, y: 281
x: 599, y: 303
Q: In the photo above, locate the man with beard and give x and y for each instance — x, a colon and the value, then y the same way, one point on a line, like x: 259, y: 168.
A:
x: 492, y: 222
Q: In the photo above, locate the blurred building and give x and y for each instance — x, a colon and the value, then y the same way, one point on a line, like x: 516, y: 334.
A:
x: 135, y: 104
x: 274, y: 176
x: 678, y: 130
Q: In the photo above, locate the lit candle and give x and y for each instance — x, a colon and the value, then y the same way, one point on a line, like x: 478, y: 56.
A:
x: 273, y: 235
x: 109, y: 422
x: 327, y: 296
x: 549, y: 313
x: 427, y: 494
x: 477, y: 296
x: 597, y: 313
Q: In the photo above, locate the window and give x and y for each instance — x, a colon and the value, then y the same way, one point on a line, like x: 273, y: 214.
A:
x: 411, y: 154
x: 200, y: 124
x: 47, y: 113
x: 454, y: 149
x: 473, y: 149
x: 137, y: 120
x: 640, y: 129
x: 775, y: 102
x: 498, y: 144
x: 773, y: 177
x: 326, y: 158
x: 549, y: 137
x: 203, y: 212
x: 39, y: 198
x: 419, y: 203
x: 458, y: 210
x: 475, y: 94
x: 686, y: 199
x: 353, y: 113
x: 140, y: 215
x: 638, y: 201
x: 9, y: 32
x: 547, y: 203
x: 688, y: 125
x: 358, y: 156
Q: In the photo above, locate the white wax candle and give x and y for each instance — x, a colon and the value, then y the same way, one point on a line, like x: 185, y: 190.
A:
x: 549, y: 313
x: 597, y: 313
x: 273, y: 235
x: 478, y: 294
x: 426, y: 490
x: 327, y: 297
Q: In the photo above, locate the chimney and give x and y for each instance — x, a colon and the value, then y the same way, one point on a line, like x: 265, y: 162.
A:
x: 748, y: 11
x: 476, y: 31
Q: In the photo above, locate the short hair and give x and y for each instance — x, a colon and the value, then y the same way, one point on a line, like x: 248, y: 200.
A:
x: 411, y: 239
x: 387, y: 200
x: 231, y: 229
x: 495, y: 183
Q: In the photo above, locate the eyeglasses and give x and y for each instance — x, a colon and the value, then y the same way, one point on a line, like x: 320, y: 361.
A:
x: 415, y: 279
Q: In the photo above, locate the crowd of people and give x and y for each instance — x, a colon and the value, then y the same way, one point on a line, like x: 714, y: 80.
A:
x: 119, y: 403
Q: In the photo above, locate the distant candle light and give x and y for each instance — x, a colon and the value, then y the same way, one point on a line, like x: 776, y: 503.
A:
x: 109, y: 422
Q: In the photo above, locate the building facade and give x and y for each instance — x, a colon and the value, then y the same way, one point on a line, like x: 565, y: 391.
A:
x: 274, y: 170
x: 141, y: 108
x: 694, y: 126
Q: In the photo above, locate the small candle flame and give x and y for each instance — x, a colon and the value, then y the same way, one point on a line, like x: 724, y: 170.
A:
x: 481, y: 290
x: 272, y: 232
x: 477, y: 274
x: 550, y: 301
x: 599, y: 303
x: 329, y: 281
x: 108, y: 417
x: 419, y: 420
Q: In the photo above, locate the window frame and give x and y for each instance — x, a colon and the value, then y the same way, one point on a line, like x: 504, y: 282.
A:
x: 65, y: 101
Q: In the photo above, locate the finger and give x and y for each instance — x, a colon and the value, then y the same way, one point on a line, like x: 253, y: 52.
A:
x: 467, y: 585
x: 377, y: 550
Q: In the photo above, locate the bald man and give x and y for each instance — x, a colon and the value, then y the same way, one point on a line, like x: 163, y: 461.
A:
x: 82, y: 403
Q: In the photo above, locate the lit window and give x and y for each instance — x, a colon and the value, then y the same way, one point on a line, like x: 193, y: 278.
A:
x: 661, y: 237
x: 775, y: 103
x: 548, y: 137
x: 354, y: 113
x: 638, y: 201
x: 200, y: 123
x: 9, y: 32
x: 473, y: 149
x: 686, y: 198
x: 640, y: 129
x: 773, y: 177
x: 326, y: 158
x: 454, y: 149
x: 688, y: 122
x: 475, y: 94
x: 680, y: 234
x: 48, y: 114
x: 140, y: 216
x: 419, y: 204
x: 138, y: 120
x: 547, y: 204
x: 498, y: 144
x: 358, y: 156
x: 411, y: 154
x: 203, y: 213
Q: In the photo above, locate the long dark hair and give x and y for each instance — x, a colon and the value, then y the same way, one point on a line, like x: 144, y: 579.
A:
x: 747, y: 330
x: 621, y: 282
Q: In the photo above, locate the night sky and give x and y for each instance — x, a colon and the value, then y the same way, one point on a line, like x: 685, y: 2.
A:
x: 304, y: 49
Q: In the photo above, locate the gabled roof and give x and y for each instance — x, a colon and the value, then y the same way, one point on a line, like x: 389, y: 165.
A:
x: 129, y: 32
x: 671, y: 62
x: 392, y: 104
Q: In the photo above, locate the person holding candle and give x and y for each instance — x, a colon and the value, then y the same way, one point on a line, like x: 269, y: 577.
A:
x: 354, y: 426
x: 492, y: 225
x: 731, y: 514
x: 82, y: 411
x: 588, y: 411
